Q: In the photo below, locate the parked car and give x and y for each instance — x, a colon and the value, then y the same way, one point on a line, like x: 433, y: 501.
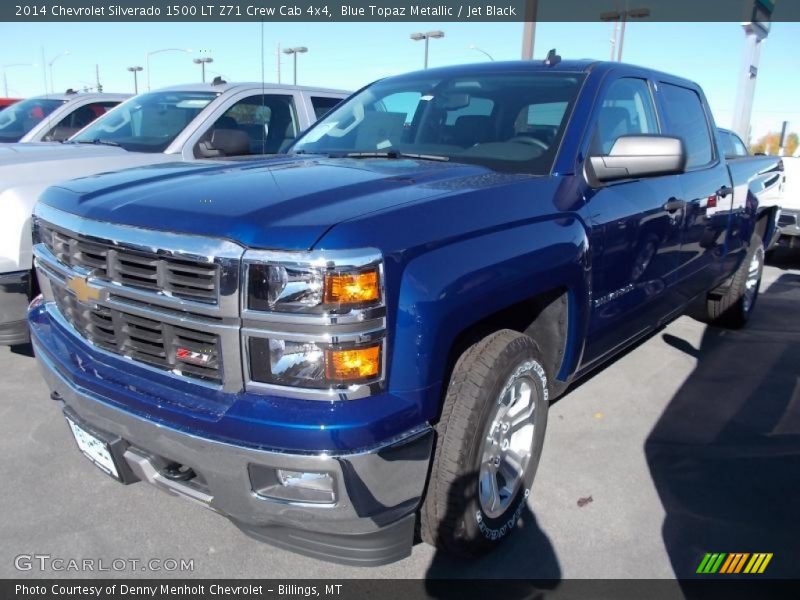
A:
x: 55, y: 117
x: 741, y: 160
x: 790, y: 206
x: 188, y: 122
x: 4, y: 102
x: 339, y: 346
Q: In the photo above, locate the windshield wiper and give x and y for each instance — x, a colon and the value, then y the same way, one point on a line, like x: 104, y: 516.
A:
x: 392, y: 154
x: 96, y: 141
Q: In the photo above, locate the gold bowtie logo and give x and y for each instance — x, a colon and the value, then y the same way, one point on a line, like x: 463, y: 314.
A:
x: 83, y: 291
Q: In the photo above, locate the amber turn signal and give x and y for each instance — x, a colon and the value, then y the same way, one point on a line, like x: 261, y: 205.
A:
x: 352, y: 288
x: 354, y: 364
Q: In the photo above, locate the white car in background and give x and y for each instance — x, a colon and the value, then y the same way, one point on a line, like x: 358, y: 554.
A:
x: 182, y: 123
x: 789, y: 220
x: 55, y: 117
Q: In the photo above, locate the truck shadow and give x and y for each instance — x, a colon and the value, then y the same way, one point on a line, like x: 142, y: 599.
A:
x: 525, y: 561
x: 725, y: 454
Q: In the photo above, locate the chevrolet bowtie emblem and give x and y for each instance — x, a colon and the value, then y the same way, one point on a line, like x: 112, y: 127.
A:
x: 83, y: 291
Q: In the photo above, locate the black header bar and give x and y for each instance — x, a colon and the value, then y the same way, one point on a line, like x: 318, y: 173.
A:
x: 354, y: 11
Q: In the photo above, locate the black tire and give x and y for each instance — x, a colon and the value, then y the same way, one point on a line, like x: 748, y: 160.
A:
x: 452, y: 517
x: 731, y: 305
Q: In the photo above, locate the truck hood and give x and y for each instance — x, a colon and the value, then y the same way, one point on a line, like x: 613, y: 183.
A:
x: 286, y: 203
x: 49, y: 163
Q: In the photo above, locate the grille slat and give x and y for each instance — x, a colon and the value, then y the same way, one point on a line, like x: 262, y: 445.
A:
x: 142, y: 339
x: 198, y: 281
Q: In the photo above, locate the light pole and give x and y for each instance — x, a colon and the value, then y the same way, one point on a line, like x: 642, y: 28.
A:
x: 529, y: 29
x: 135, y: 71
x: 294, y: 52
x: 481, y: 50
x: 622, y: 17
x: 50, y: 66
x: 203, y: 62
x: 5, y: 77
x: 149, y: 54
x: 427, y: 36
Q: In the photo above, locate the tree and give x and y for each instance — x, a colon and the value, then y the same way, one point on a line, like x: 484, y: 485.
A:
x: 768, y: 144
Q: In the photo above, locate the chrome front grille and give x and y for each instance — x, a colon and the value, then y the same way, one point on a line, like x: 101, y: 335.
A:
x: 146, y: 340
x: 167, y: 301
x: 192, y: 280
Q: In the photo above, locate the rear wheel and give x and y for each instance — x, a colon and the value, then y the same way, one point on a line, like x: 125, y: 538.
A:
x: 489, y: 441
x: 732, y: 306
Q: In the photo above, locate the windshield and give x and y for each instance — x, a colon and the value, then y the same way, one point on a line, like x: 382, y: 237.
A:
x: 18, y: 119
x: 508, y: 121
x: 146, y: 123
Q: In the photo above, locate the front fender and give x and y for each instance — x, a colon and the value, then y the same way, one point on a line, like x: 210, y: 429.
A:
x: 448, y: 289
x: 16, y: 205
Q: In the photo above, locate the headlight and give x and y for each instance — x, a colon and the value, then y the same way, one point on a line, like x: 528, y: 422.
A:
x: 314, y: 321
x: 313, y: 365
x: 313, y: 282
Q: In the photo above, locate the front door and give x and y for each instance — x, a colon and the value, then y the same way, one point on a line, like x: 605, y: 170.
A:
x: 635, y: 230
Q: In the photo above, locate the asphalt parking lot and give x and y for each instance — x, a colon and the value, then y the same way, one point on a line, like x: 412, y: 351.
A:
x: 689, y: 443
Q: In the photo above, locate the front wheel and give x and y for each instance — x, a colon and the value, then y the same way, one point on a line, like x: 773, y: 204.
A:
x: 489, y: 441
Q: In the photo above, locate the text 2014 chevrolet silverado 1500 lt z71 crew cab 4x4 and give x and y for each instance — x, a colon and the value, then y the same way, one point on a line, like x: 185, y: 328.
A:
x: 55, y: 117
x: 330, y: 345
x: 188, y: 122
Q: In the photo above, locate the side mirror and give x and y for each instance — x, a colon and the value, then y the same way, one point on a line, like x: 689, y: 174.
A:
x: 634, y: 156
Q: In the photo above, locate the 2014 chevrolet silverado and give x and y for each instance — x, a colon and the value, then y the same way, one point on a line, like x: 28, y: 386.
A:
x: 202, y: 121
x: 336, y: 346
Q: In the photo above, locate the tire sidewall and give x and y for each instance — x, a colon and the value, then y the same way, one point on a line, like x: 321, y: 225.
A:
x: 478, y: 526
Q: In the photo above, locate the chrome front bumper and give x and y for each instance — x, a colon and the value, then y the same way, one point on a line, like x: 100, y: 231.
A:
x: 369, y: 520
x: 15, y: 294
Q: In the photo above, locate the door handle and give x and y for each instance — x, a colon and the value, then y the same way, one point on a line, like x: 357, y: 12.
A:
x: 724, y: 191
x: 673, y: 204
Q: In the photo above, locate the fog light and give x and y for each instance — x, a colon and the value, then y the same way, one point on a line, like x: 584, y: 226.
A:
x: 293, y: 486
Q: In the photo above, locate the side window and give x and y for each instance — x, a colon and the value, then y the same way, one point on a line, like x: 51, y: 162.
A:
x: 726, y: 143
x: 262, y: 124
x: 687, y: 120
x: 627, y: 109
x: 739, y: 149
x: 78, y: 119
x: 322, y: 106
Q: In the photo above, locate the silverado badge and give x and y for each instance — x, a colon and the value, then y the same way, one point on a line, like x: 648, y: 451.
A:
x: 83, y: 290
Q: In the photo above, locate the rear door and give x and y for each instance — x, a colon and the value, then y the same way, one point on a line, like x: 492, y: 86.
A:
x: 705, y: 186
x: 635, y: 229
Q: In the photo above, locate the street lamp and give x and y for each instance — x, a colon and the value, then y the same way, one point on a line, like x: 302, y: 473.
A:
x: 5, y: 77
x: 135, y: 71
x: 149, y: 54
x: 427, y: 36
x: 294, y: 52
x: 481, y: 50
x: 203, y: 62
x: 50, y: 66
x: 622, y: 18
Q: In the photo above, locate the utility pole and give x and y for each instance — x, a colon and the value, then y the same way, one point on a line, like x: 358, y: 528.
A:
x: 97, y: 76
x: 755, y: 31
x: 529, y: 29
x: 278, y: 60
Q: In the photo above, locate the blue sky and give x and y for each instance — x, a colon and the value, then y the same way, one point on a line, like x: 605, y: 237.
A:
x: 349, y: 55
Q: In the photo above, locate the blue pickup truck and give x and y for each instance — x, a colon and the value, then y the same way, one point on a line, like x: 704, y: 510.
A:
x: 353, y: 345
